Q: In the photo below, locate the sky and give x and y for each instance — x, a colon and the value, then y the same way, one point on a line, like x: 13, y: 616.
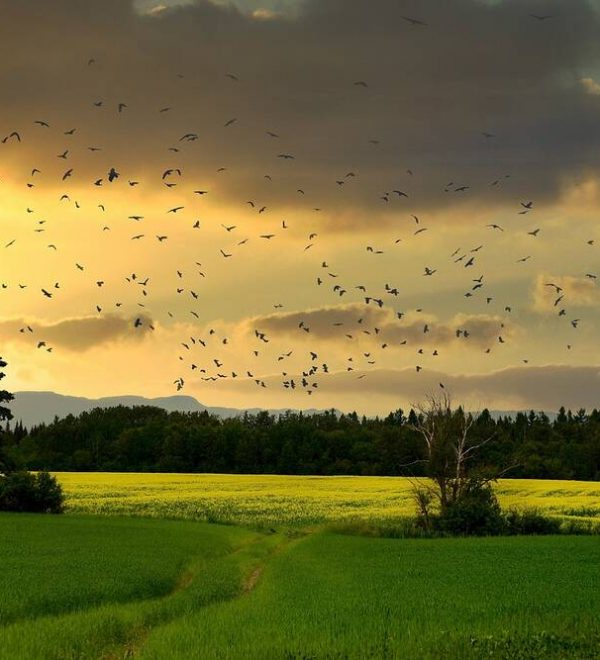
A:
x: 319, y: 203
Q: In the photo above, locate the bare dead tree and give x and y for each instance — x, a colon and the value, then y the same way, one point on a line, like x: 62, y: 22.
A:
x: 449, y: 444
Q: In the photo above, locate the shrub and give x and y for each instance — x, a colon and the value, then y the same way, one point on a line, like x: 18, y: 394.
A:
x: 26, y: 492
x: 475, y: 512
x: 530, y: 522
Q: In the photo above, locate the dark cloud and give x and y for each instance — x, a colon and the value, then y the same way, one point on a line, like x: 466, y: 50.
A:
x: 540, y: 388
x: 432, y: 91
x: 75, y: 334
x: 370, y: 322
x: 381, y: 390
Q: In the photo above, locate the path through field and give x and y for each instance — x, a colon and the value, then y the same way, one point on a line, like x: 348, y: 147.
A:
x: 109, y: 587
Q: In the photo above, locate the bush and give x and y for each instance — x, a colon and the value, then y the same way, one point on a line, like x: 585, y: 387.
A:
x: 530, y: 522
x: 35, y: 493
x: 475, y: 512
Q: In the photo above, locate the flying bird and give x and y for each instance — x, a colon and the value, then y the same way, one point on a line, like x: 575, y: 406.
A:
x: 414, y: 21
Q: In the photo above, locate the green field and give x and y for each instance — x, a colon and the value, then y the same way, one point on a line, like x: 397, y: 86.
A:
x: 274, y: 500
x: 83, y: 587
x: 102, y: 587
x: 350, y: 597
x: 155, y: 576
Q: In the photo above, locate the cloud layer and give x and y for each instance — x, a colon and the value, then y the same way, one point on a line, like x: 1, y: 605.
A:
x: 432, y: 95
x: 379, y: 391
x: 554, y: 292
x: 75, y: 334
x: 381, y: 324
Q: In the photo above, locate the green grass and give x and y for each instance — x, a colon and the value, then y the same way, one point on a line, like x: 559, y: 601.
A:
x: 104, y: 587
x: 67, y: 563
x: 350, y: 597
x: 76, y: 587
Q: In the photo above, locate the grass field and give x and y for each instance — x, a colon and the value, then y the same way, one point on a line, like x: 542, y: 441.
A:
x: 350, y: 597
x: 297, y: 501
x: 68, y: 563
x: 84, y: 587
x: 156, y: 580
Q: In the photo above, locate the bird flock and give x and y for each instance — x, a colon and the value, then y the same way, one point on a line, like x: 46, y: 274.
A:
x: 376, y: 314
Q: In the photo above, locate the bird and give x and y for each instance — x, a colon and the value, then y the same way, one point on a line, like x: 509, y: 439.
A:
x: 14, y: 134
x: 414, y: 21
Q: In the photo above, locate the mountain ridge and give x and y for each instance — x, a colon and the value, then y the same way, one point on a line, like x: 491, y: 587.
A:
x: 41, y: 407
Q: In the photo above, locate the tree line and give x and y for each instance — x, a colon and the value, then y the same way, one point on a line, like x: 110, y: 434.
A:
x: 145, y: 438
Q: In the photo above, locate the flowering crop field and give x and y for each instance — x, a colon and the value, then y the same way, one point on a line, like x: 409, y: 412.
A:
x: 297, y: 500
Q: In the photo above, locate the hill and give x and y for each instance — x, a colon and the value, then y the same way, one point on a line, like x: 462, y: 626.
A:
x: 33, y: 408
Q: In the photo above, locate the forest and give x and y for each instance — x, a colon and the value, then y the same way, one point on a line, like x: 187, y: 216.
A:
x: 149, y: 439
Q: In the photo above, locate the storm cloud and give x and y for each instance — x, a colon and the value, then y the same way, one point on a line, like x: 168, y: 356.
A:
x: 433, y: 94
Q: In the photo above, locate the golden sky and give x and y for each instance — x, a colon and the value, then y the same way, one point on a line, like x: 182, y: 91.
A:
x: 403, y: 204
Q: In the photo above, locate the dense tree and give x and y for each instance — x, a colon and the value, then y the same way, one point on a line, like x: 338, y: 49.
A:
x: 145, y: 438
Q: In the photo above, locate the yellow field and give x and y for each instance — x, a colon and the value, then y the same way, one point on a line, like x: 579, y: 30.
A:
x: 290, y: 500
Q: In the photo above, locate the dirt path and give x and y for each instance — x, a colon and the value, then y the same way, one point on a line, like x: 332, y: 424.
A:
x: 139, y: 634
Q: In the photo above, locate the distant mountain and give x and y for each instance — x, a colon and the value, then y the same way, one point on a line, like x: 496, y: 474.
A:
x: 42, y: 407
